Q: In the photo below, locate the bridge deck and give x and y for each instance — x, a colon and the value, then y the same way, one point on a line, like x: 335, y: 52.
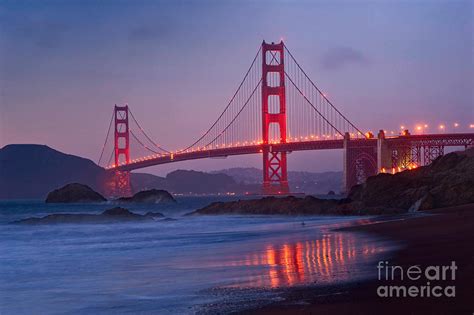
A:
x: 458, y: 139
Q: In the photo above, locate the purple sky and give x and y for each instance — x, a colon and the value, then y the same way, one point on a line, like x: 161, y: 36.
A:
x: 64, y: 64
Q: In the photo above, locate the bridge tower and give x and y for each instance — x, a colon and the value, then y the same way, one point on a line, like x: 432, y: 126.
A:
x: 275, y: 175
x: 121, y: 181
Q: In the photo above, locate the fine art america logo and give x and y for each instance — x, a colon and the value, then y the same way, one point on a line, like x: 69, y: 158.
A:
x: 435, y: 280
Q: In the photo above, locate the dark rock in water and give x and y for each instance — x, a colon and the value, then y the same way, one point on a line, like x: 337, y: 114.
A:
x: 168, y: 220
x: 114, y: 215
x: 118, y: 211
x: 74, y: 193
x: 273, y: 205
x: 154, y: 214
x: 149, y: 196
x: 331, y: 193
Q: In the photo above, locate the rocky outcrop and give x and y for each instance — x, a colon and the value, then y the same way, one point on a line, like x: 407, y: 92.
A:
x: 74, y: 193
x: 448, y: 181
x: 148, y: 196
x: 273, y: 205
x: 114, y: 215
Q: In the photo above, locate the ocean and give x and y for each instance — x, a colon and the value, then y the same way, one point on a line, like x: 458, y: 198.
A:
x: 178, y: 265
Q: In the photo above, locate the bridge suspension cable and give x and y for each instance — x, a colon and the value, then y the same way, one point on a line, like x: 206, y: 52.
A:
x: 106, y: 139
x: 308, y: 114
x: 146, y: 136
x: 327, y: 111
x: 250, y: 75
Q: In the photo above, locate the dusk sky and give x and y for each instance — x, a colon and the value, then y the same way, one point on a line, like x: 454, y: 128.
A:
x: 64, y: 64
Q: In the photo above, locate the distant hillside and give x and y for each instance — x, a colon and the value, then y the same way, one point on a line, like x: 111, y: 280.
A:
x: 31, y: 171
x: 186, y: 182
x: 308, y: 182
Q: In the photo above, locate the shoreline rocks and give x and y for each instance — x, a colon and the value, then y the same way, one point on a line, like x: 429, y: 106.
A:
x: 114, y: 215
x: 148, y: 196
x: 448, y: 181
x: 74, y: 193
x: 271, y: 205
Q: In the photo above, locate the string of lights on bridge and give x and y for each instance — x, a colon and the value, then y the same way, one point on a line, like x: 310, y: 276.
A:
x: 310, y: 117
x: 417, y: 128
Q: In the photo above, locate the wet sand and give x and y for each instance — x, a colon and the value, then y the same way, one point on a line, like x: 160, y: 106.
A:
x: 445, y: 236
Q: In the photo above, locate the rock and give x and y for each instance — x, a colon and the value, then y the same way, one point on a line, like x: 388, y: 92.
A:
x: 168, y: 220
x: 154, y: 214
x: 74, y: 193
x: 118, y: 211
x: 448, y: 181
x: 331, y: 193
x: 272, y: 205
x: 148, y: 196
x: 114, y: 215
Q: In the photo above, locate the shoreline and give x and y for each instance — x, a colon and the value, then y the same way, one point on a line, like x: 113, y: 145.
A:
x: 438, y: 239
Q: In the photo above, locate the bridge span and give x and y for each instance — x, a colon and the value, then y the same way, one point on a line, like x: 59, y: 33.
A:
x: 277, y: 109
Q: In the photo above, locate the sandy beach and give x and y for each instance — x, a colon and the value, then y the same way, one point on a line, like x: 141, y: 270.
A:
x: 444, y: 236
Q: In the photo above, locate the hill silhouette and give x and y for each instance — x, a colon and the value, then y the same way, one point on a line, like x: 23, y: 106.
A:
x: 31, y: 171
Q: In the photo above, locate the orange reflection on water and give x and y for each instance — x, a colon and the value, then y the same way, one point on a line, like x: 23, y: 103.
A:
x: 321, y: 260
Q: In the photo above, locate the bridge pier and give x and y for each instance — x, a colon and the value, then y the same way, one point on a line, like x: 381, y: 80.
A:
x: 359, y: 161
x: 384, y: 157
x: 119, y: 185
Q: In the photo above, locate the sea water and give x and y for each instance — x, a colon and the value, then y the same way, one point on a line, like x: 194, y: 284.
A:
x: 181, y: 264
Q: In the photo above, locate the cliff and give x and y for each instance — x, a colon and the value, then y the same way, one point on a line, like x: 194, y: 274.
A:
x: 448, y: 181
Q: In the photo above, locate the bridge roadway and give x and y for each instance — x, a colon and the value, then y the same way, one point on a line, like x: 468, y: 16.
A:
x: 454, y: 139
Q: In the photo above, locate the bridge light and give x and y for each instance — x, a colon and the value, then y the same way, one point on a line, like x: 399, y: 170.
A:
x: 426, y: 126
x: 402, y: 127
x: 441, y: 127
x: 471, y: 126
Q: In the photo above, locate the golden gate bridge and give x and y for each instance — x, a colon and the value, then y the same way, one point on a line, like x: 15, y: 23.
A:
x: 275, y: 110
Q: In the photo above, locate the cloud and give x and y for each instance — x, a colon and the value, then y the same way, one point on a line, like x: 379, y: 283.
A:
x: 149, y: 32
x: 42, y: 33
x: 340, y: 57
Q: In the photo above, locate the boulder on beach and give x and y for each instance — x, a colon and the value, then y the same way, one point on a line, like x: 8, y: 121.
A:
x: 74, y: 193
x: 148, y: 196
x: 114, y: 215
